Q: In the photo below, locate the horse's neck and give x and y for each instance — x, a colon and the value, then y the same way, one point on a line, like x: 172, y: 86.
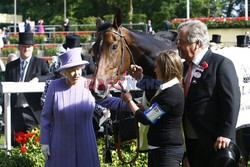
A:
x: 144, y: 49
x: 141, y: 45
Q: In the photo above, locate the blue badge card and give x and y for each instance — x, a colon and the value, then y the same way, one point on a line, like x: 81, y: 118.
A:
x: 154, y: 113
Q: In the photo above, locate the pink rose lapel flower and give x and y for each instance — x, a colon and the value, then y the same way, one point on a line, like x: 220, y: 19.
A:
x: 204, y: 65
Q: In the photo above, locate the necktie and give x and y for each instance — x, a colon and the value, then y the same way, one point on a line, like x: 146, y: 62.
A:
x: 23, y: 66
x: 188, y: 78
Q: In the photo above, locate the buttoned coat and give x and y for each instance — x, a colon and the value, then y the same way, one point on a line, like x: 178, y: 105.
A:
x: 213, y: 100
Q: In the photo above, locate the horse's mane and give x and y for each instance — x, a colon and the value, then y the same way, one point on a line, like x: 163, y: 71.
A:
x: 167, y: 37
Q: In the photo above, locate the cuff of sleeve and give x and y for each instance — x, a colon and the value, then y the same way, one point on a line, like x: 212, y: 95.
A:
x: 139, y: 80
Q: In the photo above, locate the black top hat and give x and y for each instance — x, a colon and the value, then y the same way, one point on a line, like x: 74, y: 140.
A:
x: 26, y: 38
x: 242, y: 40
x: 72, y: 41
x: 228, y: 157
x: 216, y: 38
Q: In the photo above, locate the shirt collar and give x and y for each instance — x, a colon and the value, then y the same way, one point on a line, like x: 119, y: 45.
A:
x: 197, y: 59
x: 27, y: 60
x: 169, y: 84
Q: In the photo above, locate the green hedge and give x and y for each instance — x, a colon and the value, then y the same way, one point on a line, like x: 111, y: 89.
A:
x: 217, y: 24
x: 7, y: 51
x: 26, y: 160
x: 40, y: 39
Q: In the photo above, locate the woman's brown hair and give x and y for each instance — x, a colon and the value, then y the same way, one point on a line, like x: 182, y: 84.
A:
x: 170, y: 65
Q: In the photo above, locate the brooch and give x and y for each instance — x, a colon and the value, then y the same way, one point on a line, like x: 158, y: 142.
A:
x: 200, y: 69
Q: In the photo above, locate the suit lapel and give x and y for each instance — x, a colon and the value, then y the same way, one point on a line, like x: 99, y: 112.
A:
x: 194, y: 80
x: 16, y: 75
x: 206, y: 57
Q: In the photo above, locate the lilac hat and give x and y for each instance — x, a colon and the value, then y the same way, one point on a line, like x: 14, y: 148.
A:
x: 71, y: 58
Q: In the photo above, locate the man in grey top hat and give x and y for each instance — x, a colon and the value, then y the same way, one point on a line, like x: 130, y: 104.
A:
x: 25, y: 107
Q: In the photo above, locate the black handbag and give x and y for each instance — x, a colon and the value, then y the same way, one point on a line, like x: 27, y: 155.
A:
x: 125, y: 126
x: 125, y: 129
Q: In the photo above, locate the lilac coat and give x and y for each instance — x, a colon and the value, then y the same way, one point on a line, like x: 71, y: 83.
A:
x: 66, y: 126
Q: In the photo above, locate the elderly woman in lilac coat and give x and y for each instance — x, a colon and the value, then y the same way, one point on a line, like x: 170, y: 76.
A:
x: 67, y: 134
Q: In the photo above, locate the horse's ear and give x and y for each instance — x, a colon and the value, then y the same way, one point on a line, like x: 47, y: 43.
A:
x: 98, y: 22
x: 117, y: 19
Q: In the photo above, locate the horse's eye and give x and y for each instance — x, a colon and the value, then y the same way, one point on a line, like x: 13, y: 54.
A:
x: 114, y: 46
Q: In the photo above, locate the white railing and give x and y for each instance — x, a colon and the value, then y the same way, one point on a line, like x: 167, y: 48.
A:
x: 15, y: 87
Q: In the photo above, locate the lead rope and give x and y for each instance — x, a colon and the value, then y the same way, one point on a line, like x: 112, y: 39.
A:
x: 118, y: 145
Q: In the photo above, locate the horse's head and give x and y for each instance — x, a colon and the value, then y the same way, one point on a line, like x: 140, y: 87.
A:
x: 112, y: 53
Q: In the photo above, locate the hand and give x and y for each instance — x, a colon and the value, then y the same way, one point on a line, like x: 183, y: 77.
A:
x: 106, y: 113
x: 221, y: 142
x: 45, y: 151
x: 136, y: 71
x: 126, y: 96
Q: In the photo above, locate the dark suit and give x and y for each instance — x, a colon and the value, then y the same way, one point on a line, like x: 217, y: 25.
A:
x: 213, y: 101
x: 90, y: 68
x: 37, y: 68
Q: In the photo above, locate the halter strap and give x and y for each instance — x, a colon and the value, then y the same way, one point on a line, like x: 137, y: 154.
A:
x: 123, y: 42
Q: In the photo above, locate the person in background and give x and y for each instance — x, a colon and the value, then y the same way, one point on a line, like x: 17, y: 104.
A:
x: 66, y: 24
x: 40, y: 26
x: 215, y: 43
x: 150, y: 28
x: 67, y: 133
x: 243, y: 133
x: 11, y: 57
x: 165, y: 138
x: 212, y: 95
x: 167, y: 25
x: 1, y: 41
x: 25, y: 107
x: 54, y: 65
x: 5, y: 35
x: 73, y: 41
x: 27, y: 26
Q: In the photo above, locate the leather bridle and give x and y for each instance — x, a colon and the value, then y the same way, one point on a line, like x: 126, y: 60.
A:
x: 123, y: 46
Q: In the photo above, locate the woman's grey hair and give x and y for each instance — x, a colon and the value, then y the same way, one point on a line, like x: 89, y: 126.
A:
x: 196, y: 31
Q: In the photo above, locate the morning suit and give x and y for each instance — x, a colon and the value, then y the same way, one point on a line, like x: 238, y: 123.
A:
x: 36, y: 68
x: 90, y: 68
x: 213, y: 100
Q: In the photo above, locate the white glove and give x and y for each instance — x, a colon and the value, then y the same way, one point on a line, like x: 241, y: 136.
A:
x: 45, y: 151
x: 106, y: 115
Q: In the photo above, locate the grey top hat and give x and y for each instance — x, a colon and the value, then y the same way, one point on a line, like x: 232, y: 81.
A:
x: 242, y: 40
x: 71, y: 58
x: 228, y: 157
x: 26, y: 38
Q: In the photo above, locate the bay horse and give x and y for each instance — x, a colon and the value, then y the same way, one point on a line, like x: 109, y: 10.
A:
x: 117, y: 47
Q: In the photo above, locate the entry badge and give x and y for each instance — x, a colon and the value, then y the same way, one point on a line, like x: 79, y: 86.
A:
x: 154, y: 113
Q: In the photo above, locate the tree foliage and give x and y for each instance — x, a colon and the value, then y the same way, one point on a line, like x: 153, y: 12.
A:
x: 52, y: 11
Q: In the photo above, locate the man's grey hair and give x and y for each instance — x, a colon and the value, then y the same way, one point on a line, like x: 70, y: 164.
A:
x: 196, y: 31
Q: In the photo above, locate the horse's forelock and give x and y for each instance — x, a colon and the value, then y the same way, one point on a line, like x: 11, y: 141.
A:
x: 104, y: 26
